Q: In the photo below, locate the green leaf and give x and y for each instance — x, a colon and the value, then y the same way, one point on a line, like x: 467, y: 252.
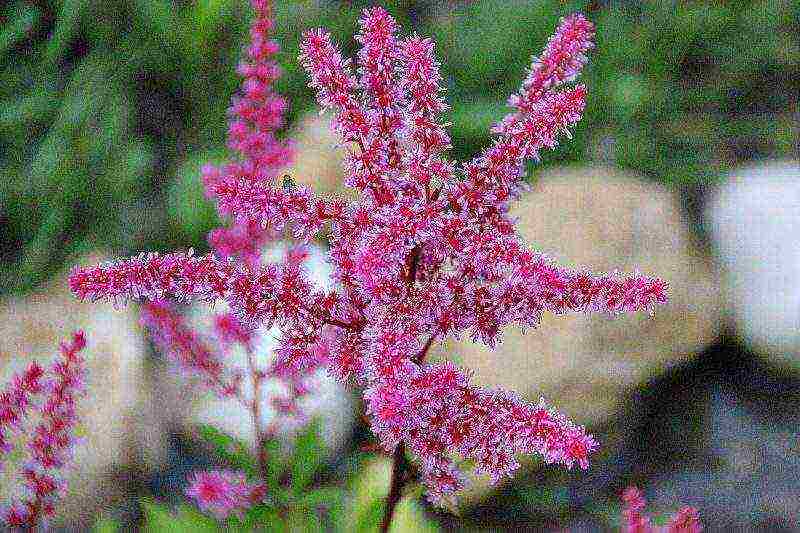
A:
x: 308, y: 453
x: 323, y: 497
x: 275, y: 464
x: 194, y: 520
x: 106, y: 525
x: 370, y: 518
x: 264, y: 518
x: 300, y: 520
x: 231, y: 450
x: 331, y: 499
x: 158, y: 518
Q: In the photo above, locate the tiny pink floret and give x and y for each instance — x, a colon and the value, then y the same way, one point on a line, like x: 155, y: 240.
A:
x: 686, y: 520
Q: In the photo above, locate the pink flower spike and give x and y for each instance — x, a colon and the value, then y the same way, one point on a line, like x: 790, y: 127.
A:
x: 561, y: 62
x: 332, y: 77
x: 425, y: 253
x: 187, y: 349
x: 686, y: 520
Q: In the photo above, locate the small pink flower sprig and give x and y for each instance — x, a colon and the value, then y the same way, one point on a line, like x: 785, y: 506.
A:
x: 49, y: 396
x: 686, y: 520
x: 203, y: 356
x: 223, y: 493
x: 426, y: 252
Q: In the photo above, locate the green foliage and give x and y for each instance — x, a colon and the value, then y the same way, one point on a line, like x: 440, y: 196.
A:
x: 307, y: 456
x: 230, y: 450
x: 677, y: 91
x: 293, y: 502
x: 192, y: 216
x: 106, y: 525
x: 369, y: 488
x: 159, y: 518
x: 369, y: 518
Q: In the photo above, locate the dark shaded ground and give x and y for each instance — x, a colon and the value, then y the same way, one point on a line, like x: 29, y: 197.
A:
x: 719, y: 433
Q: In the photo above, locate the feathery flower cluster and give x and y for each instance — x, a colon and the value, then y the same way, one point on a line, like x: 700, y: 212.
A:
x: 427, y: 251
x: 686, y: 520
x: 49, y: 394
x: 222, y: 493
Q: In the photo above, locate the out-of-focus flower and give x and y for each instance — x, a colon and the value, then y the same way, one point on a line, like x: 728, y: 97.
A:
x: 686, y: 520
x: 223, y: 492
x: 49, y: 396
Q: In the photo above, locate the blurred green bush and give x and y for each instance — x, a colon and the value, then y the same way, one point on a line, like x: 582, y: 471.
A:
x: 107, y: 108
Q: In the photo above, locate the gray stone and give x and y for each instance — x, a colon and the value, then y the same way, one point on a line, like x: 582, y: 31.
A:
x: 753, y: 219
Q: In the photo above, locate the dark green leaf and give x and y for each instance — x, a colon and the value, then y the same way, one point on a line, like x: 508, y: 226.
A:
x: 231, y: 450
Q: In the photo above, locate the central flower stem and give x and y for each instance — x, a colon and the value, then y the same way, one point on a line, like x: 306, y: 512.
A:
x: 399, y: 479
x: 400, y: 475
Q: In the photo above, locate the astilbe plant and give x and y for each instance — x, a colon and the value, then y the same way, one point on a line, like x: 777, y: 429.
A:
x: 686, y: 520
x: 38, y: 408
x: 427, y: 251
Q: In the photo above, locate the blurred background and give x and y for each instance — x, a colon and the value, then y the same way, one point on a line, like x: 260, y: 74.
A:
x: 685, y: 166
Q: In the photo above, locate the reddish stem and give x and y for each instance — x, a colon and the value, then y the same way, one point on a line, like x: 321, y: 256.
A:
x: 255, y: 411
x: 399, y: 479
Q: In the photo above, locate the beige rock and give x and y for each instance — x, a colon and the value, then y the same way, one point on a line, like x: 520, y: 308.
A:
x: 319, y: 156
x: 604, y: 220
x: 119, y: 426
